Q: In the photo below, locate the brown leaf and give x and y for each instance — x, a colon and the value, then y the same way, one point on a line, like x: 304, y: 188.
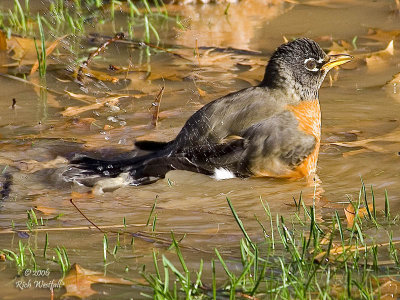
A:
x: 80, y: 123
x: 3, y: 41
x: 380, y: 59
x: 45, y: 210
x: 393, y: 137
x: 108, y: 127
x: 49, y: 50
x: 99, y: 75
x: 76, y: 110
x: 351, y: 214
x: 31, y: 166
x: 202, y: 93
x: 81, y: 97
x: 336, y: 251
x: 78, y: 282
x: 382, y: 35
x: 389, y: 288
x: 24, y: 50
x: 76, y: 195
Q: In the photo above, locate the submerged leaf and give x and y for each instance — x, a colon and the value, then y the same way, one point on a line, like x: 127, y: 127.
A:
x: 24, y: 50
x: 78, y: 282
x: 389, y: 288
x: 382, y: 35
x: 45, y: 210
x: 76, y: 110
x: 380, y: 59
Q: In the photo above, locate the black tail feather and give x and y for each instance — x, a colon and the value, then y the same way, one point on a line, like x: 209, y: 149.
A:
x: 152, y: 145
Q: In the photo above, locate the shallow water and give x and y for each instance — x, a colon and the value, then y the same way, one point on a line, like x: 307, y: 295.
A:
x: 356, y: 107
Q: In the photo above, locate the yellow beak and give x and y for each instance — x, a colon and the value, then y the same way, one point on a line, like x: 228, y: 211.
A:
x: 336, y: 60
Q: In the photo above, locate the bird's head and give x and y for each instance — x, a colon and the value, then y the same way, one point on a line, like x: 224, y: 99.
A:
x: 299, y: 68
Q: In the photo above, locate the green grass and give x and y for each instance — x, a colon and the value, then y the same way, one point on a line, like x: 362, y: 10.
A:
x: 60, y: 18
x: 301, y: 261
x: 293, y: 257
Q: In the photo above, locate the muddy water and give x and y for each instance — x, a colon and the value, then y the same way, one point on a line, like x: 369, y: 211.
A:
x: 355, y: 107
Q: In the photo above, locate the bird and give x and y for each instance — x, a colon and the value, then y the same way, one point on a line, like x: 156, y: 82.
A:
x: 272, y: 129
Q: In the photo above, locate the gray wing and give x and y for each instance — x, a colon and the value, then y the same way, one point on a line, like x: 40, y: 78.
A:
x: 276, y: 145
x: 273, y: 146
x: 227, y: 116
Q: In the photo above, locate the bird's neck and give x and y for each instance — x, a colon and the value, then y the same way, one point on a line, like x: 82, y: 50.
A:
x: 278, y: 78
x: 308, y: 113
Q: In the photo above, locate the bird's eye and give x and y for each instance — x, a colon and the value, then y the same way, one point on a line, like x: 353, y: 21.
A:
x: 311, y: 64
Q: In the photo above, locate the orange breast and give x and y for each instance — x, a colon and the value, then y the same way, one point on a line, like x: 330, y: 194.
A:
x: 308, y: 113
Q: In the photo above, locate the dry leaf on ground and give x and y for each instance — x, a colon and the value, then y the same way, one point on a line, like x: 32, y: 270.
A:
x: 78, y: 282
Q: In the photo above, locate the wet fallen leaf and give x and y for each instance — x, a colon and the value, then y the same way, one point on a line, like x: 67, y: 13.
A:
x: 108, y: 127
x: 344, y: 47
x: 336, y: 251
x: 76, y: 195
x: 24, y: 50
x: 49, y: 50
x: 351, y: 213
x: 169, y: 75
x: 3, y: 41
x: 382, y: 35
x: 336, y: 48
x: 202, y: 93
x: 45, y: 210
x: 76, y: 110
x: 78, y: 282
x: 388, y: 287
x: 379, y: 59
x: 80, y: 123
x: 31, y: 166
x: 99, y: 75
x: 81, y: 97
x: 367, y: 144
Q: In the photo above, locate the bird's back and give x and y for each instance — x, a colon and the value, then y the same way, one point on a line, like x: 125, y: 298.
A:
x: 228, y: 116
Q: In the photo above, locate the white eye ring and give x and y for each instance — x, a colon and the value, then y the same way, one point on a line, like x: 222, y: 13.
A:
x: 311, y: 65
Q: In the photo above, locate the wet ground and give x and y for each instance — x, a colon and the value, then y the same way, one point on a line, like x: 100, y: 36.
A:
x: 359, y: 105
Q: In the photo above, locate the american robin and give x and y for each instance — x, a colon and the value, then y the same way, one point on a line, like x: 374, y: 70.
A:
x: 272, y: 130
